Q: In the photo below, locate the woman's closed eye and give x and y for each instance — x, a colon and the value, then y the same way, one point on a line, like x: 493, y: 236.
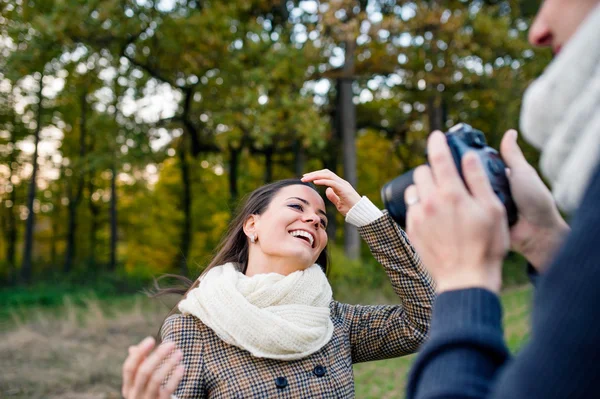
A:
x: 297, y: 206
x: 301, y: 209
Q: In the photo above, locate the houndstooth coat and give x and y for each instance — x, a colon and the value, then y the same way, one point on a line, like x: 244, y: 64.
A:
x: 215, y: 369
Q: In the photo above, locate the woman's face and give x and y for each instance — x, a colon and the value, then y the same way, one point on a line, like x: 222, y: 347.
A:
x: 290, y: 233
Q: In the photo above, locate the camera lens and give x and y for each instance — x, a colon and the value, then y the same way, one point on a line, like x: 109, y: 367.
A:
x: 392, y: 195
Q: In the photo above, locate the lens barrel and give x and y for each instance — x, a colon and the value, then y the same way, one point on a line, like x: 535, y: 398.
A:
x: 392, y: 194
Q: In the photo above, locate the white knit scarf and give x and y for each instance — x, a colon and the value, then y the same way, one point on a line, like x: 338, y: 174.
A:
x: 561, y: 115
x: 269, y: 315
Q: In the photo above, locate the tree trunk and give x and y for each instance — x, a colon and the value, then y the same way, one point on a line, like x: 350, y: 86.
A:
x: 436, y: 113
x: 299, y: 158
x: 54, y: 239
x: 94, y: 225
x: 11, y: 234
x: 28, y: 241
x: 11, y: 221
x: 234, y: 160
x: 112, y: 266
x: 330, y: 162
x: 76, y: 198
x: 347, y: 120
x: 268, y: 165
x: 186, y: 204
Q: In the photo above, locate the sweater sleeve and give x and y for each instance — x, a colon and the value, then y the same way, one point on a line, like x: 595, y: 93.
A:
x: 363, y: 213
x: 466, y: 356
x: 187, y: 335
x: 384, y: 331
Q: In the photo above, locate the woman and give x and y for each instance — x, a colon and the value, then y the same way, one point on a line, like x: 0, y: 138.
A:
x: 261, y: 320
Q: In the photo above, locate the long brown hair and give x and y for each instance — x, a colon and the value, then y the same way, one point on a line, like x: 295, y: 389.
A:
x: 233, y: 247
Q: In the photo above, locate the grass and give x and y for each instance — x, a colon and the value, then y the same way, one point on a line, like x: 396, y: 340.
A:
x: 76, y: 350
x: 387, y: 378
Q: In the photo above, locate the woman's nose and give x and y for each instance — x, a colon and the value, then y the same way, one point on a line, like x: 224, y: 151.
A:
x: 312, y: 218
x: 540, y: 34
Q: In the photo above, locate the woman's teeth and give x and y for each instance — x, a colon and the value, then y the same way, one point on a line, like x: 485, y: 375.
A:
x: 300, y: 233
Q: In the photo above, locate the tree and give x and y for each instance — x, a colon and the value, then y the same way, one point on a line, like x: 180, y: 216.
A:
x: 11, y: 131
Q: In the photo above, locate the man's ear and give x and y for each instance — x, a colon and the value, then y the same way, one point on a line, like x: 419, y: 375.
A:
x: 251, y: 225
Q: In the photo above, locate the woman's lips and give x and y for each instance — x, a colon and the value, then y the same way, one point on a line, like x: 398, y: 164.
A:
x: 556, y: 50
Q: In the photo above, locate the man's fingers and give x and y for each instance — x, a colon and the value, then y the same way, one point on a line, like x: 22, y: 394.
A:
x: 476, y: 178
x: 411, y: 195
x: 136, y: 355
x: 148, y: 367
x: 510, y: 150
x: 442, y: 164
x: 423, y: 178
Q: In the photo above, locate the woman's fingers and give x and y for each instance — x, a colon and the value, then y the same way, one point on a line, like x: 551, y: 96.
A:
x: 332, y: 196
x: 342, y: 194
x: 335, y: 185
x: 153, y: 388
x: 173, y: 383
x: 321, y: 174
x: 136, y: 355
x: 148, y: 367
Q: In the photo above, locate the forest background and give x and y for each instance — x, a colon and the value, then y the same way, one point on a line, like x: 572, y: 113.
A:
x: 131, y: 129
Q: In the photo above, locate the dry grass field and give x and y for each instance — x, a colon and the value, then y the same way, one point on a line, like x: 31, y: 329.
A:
x: 77, y: 351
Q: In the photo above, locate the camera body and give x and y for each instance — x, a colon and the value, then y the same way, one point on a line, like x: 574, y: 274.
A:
x: 461, y: 138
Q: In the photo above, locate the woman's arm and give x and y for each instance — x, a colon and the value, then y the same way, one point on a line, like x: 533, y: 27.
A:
x: 379, y: 332
x: 385, y: 331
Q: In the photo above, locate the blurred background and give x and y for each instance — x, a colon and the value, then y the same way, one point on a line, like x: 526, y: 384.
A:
x: 131, y: 129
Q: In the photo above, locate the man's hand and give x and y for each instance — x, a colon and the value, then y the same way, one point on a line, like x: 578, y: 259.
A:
x: 461, y: 236
x: 540, y: 229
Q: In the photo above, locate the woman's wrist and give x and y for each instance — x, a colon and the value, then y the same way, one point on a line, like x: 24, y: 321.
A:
x: 363, y: 213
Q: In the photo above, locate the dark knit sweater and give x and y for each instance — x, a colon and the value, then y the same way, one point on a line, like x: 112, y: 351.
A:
x: 466, y: 356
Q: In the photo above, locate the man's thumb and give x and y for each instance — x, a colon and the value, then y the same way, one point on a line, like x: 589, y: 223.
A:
x: 510, y: 150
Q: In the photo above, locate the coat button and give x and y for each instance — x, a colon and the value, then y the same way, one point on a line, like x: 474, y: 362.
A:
x: 281, y: 382
x: 319, y: 371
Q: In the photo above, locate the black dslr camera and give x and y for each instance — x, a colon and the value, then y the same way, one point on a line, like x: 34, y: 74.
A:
x: 461, y: 138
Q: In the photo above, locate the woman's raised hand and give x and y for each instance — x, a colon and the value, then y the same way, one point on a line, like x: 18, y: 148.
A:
x: 339, y: 191
x: 144, y: 371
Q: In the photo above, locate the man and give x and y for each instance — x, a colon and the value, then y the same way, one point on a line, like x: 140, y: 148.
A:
x: 461, y: 233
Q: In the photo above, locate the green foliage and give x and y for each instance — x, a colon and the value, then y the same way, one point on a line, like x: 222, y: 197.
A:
x: 132, y: 88
x: 51, y: 291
